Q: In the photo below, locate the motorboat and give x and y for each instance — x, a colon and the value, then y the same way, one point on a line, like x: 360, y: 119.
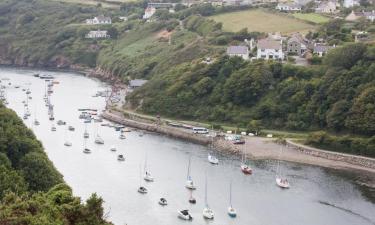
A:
x: 163, y: 201
x: 87, y: 151
x: 120, y: 158
x: 212, y: 159
x: 184, y: 214
x: 113, y: 148
x: 282, y: 182
x: 68, y: 143
x: 142, y: 190
x: 208, y: 213
x: 122, y: 136
x: 71, y: 128
x: 148, y: 177
x: 99, y: 140
x: 246, y: 169
x: 232, y: 212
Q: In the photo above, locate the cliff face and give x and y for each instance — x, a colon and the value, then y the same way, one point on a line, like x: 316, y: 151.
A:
x: 11, y: 58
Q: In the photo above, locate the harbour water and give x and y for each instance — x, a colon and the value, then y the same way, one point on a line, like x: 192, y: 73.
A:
x: 316, y: 196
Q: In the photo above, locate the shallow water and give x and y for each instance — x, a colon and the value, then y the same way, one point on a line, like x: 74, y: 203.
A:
x: 316, y: 196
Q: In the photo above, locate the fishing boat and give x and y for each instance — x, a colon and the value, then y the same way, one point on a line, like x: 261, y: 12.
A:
x: 163, y: 202
x: 99, y: 140
x: 281, y: 181
x: 147, y: 177
x: 120, y: 158
x: 212, y: 159
x: 207, y: 211
x: 189, y: 181
x: 141, y: 188
x: 113, y: 148
x: 231, y: 211
x: 184, y: 214
x: 244, y: 167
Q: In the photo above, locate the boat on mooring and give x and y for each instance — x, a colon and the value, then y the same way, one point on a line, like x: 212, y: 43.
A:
x: 184, y: 214
x: 231, y: 211
x: 189, y: 181
x: 207, y: 211
x: 120, y: 158
x: 163, y: 202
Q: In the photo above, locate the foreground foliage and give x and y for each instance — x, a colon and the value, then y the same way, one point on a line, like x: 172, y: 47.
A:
x: 32, y: 191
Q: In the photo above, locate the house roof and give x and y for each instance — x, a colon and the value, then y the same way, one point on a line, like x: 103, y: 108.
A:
x: 137, y: 82
x: 103, y: 18
x: 269, y: 44
x: 322, y: 48
x: 290, y: 5
x: 237, y: 50
x: 103, y: 32
x: 298, y: 38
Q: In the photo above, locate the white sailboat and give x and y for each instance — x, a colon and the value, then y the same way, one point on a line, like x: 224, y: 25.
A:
x: 86, y: 133
x: 141, y: 189
x: 184, y: 214
x: 207, y: 211
x: 147, y: 176
x: 98, y: 140
x: 231, y: 211
x: 113, y: 148
x: 189, y: 181
x: 85, y: 149
x: 67, y: 142
x: 280, y: 180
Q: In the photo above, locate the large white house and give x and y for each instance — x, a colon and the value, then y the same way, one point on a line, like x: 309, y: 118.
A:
x: 270, y: 49
x: 292, y: 7
x: 94, y: 34
x: 350, y: 3
x: 240, y: 51
x: 149, y: 11
x: 99, y: 20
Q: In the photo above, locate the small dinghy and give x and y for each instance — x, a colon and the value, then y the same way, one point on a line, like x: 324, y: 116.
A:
x: 192, y: 200
x: 184, y: 214
x: 68, y: 143
x: 122, y: 136
x: 86, y: 134
x: 87, y: 151
x: 36, y: 123
x: 120, y: 158
x: 142, y: 190
x: 212, y: 159
x: 163, y: 201
x: 60, y: 122
x: 53, y: 128
x: 71, y: 128
x: 113, y: 148
x: 246, y: 169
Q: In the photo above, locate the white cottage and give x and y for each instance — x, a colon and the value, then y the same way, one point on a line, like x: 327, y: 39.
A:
x: 99, y: 20
x: 240, y: 51
x: 270, y: 49
x: 94, y: 34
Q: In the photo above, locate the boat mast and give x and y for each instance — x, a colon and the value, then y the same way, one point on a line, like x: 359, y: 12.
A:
x: 188, y: 172
x: 230, y: 193
x: 205, y: 192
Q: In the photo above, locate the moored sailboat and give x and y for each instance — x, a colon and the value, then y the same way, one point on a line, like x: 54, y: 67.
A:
x: 280, y: 180
x: 189, y: 181
x: 231, y: 211
x: 207, y: 211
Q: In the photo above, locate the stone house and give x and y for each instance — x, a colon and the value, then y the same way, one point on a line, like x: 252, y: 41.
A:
x: 289, y: 7
x: 297, y: 44
x: 321, y: 49
x: 326, y: 7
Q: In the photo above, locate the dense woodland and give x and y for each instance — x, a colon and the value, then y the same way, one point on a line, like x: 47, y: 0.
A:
x: 335, y: 94
x: 32, y: 191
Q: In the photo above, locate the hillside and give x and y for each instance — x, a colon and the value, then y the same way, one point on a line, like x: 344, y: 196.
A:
x: 32, y: 191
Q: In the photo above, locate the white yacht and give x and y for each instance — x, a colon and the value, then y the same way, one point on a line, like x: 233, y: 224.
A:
x: 184, y: 214
x: 212, y: 159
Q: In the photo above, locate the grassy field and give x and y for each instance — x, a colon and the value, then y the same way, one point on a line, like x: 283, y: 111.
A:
x: 311, y: 17
x: 260, y: 20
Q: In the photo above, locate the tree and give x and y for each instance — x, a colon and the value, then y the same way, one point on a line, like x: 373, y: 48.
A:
x: 346, y: 56
x: 11, y: 181
x: 337, y: 114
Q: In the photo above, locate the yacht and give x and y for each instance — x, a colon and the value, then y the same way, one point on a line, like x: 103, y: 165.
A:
x: 282, y: 182
x: 189, y: 181
x: 68, y: 143
x: 87, y: 151
x: 113, y: 148
x: 231, y: 211
x: 142, y: 190
x: 184, y: 214
x: 207, y: 211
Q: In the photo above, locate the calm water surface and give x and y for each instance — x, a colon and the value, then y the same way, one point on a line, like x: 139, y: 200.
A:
x: 317, y: 197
